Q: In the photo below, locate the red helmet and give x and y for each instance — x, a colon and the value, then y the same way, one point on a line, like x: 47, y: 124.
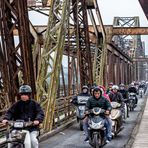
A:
x: 102, y: 87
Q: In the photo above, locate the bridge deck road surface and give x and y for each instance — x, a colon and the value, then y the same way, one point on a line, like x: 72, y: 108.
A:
x: 74, y: 138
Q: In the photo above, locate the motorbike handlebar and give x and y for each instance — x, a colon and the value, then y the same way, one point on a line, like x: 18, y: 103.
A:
x: 92, y: 111
x: 26, y: 124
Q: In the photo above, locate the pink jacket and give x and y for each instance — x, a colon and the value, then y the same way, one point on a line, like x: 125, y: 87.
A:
x: 104, y: 95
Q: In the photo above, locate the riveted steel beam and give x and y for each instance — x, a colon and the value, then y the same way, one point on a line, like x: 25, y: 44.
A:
x: 51, y: 58
x: 82, y: 42
x: 130, y: 31
x: 18, y: 54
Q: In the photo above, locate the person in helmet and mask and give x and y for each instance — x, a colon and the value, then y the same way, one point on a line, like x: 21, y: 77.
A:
x: 96, y: 100
x: 133, y: 89
x: 124, y: 93
x: 110, y: 85
x: 26, y: 109
x: 115, y: 95
x: 85, y: 92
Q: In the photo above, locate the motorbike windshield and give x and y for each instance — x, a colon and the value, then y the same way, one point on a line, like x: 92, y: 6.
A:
x: 82, y: 99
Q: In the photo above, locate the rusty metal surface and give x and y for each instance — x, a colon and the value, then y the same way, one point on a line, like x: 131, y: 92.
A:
x: 83, y: 45
x: 17, y: 56
x: 144, y: 5
x: 130, y: 31
x: 142, y: 59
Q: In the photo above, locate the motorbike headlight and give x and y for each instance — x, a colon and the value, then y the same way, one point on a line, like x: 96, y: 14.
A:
x: 81, y: 107
x: 99, y: 125
x: 18, y: 125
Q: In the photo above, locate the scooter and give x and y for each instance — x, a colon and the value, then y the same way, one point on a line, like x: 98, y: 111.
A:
x: 96, y: 128
x: 116, y: 117
x: 132, y: 101
x: 80, y: 109
x: 17, y: 134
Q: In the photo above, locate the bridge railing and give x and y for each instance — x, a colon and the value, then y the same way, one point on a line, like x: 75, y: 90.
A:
x: 64, y: 111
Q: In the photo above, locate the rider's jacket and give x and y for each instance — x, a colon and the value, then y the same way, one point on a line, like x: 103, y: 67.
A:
x: 25, y: 110
x: 102, y: 102
x: 116, y: 97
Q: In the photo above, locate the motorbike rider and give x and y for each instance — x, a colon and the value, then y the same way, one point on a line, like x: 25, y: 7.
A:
x: 124, y: 93
x: 110, y: 85
x: 26, y: 109
x: 108, y: 117
x: 116, y: 96
x: 132, y: 89
x: 85, y: 92
x: 91, y: 89
x: 97, y: 100
x: 104, y: 92
x: 142, y: 85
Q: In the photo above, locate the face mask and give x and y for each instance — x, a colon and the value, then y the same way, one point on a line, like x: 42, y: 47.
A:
x: 84, y: 90
x: 121, y: 88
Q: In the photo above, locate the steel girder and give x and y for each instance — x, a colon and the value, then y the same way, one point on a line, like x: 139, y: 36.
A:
x: 51, y: 58
x: 100, y: 55
x: 129, y: 44
x: 18, y: 65
x: 82, y: 42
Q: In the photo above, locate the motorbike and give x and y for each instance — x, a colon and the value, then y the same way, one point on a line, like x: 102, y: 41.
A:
x: 116, y: 117
x: 96, y: 128
x: 132, y: 101
x: 17, y: 133
x: 141, y: 92
x: 80, y: 110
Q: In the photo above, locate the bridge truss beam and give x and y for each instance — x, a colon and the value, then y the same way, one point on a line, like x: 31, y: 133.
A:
x: 17, y: 56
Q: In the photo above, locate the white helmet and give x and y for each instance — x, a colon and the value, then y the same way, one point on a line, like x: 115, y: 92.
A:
x: 115, y: 87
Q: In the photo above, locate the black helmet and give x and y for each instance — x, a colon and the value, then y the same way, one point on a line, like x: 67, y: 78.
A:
x: 25, y: 89
x: 97, y: 89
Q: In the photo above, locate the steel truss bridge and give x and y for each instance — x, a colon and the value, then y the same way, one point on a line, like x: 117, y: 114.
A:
x: 57, y: 59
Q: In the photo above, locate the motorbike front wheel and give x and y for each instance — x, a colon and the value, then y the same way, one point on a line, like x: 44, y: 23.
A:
x: 96, y: 141
x: 81, y: 125
x: 131, y: 106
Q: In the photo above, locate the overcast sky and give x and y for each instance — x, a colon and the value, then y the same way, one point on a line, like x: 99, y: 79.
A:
x: 123, y: 8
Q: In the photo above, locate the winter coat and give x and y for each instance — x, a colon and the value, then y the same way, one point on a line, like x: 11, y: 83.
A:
x: 25, y: 110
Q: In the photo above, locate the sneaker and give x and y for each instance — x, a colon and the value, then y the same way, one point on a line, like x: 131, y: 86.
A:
x: 113, y: 134
x: 109, y: 138
x: 107, y: 141
x: 86, y: 139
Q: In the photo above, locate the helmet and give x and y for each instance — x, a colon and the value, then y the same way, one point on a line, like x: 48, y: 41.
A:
x: 85, y: 87
x: 111, y: 83
x: 132, y: 84
x: 121, y: 85
x: 25, y: 89
x: 115, y: 87
x: 97, y: 89
x: 102, y: 88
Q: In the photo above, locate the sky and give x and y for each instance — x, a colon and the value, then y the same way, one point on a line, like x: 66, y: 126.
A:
x: 109, y: 9
x: 123, y: 8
